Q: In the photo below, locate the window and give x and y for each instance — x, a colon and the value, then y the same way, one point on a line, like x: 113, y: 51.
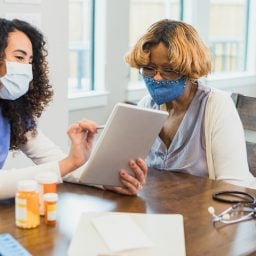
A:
x: 143, y: 13
x: 112, y: 27
x: 81, y: 46
x: 228, y: 34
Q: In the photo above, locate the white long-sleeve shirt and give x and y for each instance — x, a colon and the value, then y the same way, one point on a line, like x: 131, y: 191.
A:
x: 43, y: 152
x: 225, y: 142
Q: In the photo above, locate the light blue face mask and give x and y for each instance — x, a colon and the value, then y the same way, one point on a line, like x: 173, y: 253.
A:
x: 15, y: 82
x: 163, y: 91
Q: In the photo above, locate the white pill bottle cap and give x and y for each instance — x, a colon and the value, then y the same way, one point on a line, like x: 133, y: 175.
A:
x: 27, y: 185
x: 47, y: 178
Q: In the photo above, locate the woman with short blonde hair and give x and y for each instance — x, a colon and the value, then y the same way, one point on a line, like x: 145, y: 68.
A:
x: 186, y: 51
x: 203, y: 135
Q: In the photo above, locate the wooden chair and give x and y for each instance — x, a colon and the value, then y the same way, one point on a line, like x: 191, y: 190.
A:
x: 246, y: 107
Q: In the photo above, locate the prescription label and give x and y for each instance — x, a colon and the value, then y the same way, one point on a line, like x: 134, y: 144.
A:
x: 51, y: 212
x: 21, y: 210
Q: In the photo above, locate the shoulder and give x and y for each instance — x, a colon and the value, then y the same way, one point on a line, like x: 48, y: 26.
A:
x: 220, y: 111
x: 32, y: 134
x: 34, y: 139
x: 220, y: 102
x: 218, y: 96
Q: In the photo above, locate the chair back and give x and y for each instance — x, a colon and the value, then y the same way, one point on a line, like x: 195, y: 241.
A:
x: 246, y: 108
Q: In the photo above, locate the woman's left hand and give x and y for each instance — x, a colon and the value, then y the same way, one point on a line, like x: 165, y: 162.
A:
x: 132, y: 184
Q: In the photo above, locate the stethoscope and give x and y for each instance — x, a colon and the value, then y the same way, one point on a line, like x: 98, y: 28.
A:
x: 242, y: 203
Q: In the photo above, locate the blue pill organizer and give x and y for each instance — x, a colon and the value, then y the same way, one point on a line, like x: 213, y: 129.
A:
x: 9, y: 246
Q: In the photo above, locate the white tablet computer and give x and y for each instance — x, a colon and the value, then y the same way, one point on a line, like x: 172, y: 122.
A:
x: 129, y: 134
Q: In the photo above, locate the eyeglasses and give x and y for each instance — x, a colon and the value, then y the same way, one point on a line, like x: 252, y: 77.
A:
x: 167, y: 74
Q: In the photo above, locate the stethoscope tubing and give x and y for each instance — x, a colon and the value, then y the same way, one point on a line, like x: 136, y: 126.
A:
x: 245, y: 203
x: 217, y: 196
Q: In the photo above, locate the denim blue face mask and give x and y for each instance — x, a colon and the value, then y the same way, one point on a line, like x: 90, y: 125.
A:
x: 163, y: 91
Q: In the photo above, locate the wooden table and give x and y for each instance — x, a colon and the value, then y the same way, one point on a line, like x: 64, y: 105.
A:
x: 164, y: 192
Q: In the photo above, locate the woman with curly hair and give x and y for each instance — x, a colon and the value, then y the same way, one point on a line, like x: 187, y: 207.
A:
x: 24, y: 93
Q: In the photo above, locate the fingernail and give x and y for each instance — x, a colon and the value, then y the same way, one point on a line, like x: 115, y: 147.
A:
x: 132, y: 163
x: 122, y: 173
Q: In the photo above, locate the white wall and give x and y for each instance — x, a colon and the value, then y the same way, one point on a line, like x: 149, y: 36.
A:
x: 53, y: 19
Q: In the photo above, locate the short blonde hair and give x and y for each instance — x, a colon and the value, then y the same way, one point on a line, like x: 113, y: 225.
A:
x: 186, y: 51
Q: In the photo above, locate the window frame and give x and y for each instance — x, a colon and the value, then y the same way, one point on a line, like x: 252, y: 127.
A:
x: 98, y: 95
x: 242, y: 79
x: 75, y: 46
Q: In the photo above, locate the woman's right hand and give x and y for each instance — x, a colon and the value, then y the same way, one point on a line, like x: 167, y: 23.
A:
x: 81, y: 135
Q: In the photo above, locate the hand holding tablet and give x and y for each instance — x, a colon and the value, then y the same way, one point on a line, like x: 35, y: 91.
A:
x: 129, y: 134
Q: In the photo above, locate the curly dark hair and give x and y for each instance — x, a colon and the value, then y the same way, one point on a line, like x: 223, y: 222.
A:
x: 23, y: 112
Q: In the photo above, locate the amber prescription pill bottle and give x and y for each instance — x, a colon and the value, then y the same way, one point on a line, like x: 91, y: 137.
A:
x: 27, y: 204
x: 47, y: 183
x: 50, y: 206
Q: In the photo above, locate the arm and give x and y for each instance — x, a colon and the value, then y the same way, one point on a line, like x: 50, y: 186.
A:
x: 81, y: 135
x: 40, y: 149
x: 225, y: 142
x: 10, y: 178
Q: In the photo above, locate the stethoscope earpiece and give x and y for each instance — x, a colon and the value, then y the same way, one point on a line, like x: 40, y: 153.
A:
x: 211, y: 210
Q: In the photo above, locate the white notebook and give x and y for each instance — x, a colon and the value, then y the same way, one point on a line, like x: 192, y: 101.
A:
x: 129, y: 133
x: 157, y: 234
